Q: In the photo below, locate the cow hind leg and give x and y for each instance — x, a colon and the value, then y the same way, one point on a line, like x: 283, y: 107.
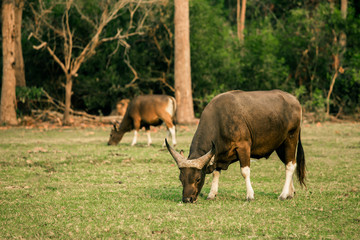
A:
x: 286, y: 153
x: 170, y: 127
x: 167, y: 137
x: 214, y: 185
x: 243, y: 154
x: 173, y: 137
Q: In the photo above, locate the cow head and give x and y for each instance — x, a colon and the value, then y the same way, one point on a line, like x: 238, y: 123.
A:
x: 192, y: 173
x: 115, y: 134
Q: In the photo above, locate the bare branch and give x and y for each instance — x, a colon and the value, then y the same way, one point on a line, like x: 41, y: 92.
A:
x: 41, y: 17
x: 83, y: 16
x: 136, y: 76
x: 68, y: 34
x: 40, y: 46
x: 43, y: 44
x: 163, y: 81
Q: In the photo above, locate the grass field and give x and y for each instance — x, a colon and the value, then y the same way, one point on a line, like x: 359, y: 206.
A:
x: 68, y: 184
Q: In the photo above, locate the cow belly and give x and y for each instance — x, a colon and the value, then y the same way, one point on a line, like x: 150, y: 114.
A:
x: 261, y: 155
x: 223, y: 160
x: 155, y: 122
x: 224, y: 165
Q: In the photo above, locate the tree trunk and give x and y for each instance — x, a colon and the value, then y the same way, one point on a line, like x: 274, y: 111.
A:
x: 68, y: 93
x: 8, y: 96
x: 242, y: 20
x: 344, y: 8
x: 19, y: 60
x: 238, y: 19
x: 183, y: 91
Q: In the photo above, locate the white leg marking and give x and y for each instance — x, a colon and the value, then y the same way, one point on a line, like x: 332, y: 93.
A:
x: 172, y: 131
x: 214, y: 185
x: 288, y: 189
x: 245, y: 172
x: 148, y: 137
x: 167, y: 137
x: 135, y: 138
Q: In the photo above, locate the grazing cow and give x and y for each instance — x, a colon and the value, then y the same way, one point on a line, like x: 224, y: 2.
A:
x: 236, y: 126
x: 146, y: 111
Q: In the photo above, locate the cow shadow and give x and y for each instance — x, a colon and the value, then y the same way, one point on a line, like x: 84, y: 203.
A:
x: 175, y: 195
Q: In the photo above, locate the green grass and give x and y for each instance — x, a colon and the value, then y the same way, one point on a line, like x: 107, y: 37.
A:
x: 67, y: 184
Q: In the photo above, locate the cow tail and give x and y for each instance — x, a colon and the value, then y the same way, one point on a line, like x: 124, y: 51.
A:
x: 300, y: 163
x: 174, y: 108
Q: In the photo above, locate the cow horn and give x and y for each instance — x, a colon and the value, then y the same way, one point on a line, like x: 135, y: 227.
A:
x: 198, y: 163
x: 179, y: 159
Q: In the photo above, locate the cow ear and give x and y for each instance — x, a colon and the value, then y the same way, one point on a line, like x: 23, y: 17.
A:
x: 204, y: 160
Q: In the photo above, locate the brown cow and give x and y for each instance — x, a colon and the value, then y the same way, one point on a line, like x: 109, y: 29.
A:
x: 235, y: 126
x: 146, y: 111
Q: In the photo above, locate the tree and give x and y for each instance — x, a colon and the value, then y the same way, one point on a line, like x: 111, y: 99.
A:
x: 240, y: 19
x: 183, y: 91
x: 70, y: 59
x: 8, y: 97
x: 19, y: 60
x: 340, y: 44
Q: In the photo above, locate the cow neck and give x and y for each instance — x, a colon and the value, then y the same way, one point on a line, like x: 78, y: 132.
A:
x: 202, y: 142
x: 125, y: 125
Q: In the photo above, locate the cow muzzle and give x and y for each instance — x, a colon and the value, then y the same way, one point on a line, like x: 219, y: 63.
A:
x: 189, y: 199
x: 111, y: 143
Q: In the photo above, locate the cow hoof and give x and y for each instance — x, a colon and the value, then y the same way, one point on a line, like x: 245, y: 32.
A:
x: 250, y: 196
x: 283, y: 198
x: 211, y: 197
x: 249, y: 199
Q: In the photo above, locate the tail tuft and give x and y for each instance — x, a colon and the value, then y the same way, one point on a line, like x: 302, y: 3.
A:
x: 300, y: 163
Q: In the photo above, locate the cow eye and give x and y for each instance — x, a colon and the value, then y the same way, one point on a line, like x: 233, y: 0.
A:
x: 198, y: 180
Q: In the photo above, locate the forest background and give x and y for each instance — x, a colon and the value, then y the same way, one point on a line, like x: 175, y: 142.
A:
x: 308, y: 48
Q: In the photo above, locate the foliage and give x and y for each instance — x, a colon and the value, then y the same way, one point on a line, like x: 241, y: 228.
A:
x: 264, y: 68
x: 27, y: 98
x: 288, y: 45
x: 215, y: 55
x: 24, y: 94
x: 67, y: 184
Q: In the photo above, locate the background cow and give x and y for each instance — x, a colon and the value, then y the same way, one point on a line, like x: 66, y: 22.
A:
x: 235, y: 126
x: 146, y: 111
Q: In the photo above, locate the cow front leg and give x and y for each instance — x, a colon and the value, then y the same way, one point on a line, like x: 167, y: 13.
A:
x: 147, y: 129
x: 243, y: 154
x: 135, y: 138
x: 288, y: 189
x: 245, y: 172
x: 214, y: 185
x: 136, y: 123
